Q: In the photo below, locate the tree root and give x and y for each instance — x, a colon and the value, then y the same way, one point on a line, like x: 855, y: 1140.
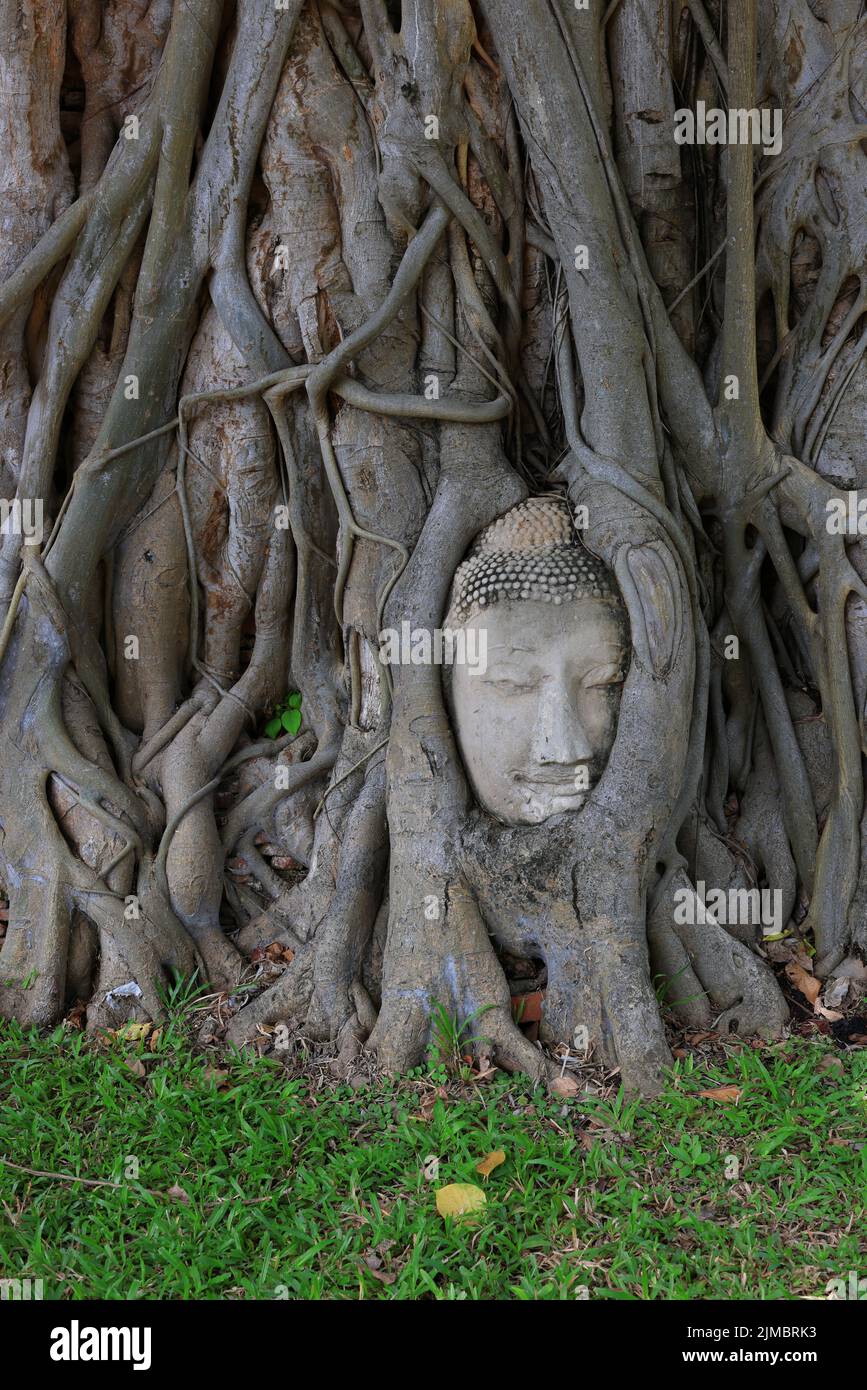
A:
x: 743, y: 995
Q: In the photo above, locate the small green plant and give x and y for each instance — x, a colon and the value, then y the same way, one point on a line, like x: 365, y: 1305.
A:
x: 688, y: 1156
x: 450, y: 1042
x: 663, y: 983
x: 286, y: 717
x: 182, y: 994
x: 27, y: 983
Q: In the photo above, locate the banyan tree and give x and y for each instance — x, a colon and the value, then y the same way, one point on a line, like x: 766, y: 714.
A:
x: 430, y: 462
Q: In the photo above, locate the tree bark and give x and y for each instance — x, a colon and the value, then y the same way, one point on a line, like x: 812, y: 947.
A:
x: 294, y: 300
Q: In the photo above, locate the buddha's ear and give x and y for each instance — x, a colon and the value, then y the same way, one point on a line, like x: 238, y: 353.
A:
x: 650, y: 583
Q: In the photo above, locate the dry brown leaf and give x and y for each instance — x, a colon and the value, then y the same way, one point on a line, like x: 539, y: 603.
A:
x: 429, y: 1100
x: 279, y: 953
x: 77, y: 1014
x: 830, y: 1063
x: 490, y: 1162
x: 382, y: 1275
x: 727, y: 1095
x: 564, y: 1086
x: 373, y: 1263
x: 832, y: 1015
x: 219, y: 1078
x: 484, y: 1072
x: 809, y: 986
x: 136, y: 1066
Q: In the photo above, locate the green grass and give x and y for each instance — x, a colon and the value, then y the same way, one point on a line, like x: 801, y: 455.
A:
x: 630, y: 1200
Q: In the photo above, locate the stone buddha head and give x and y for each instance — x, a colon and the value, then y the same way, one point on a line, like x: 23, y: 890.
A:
x: 536, y: 721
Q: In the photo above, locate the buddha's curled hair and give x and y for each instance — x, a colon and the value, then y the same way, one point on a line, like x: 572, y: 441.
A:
x: 531, y: 552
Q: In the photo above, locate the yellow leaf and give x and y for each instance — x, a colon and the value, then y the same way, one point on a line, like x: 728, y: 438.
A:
x: 133, y: 1032
x: 723, y: 1093
x: 459, y: 1199
x: 490, y: 1162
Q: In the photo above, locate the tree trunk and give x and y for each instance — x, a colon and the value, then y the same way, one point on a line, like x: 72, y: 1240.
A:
x: 299, y: 297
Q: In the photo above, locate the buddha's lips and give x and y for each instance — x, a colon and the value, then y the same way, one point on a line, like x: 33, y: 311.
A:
x: 564, y: 779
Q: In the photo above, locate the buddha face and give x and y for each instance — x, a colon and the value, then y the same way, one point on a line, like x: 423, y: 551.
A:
x: 536, y: 727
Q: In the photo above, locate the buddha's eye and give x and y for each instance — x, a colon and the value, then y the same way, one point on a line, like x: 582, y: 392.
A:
x: 602, y: 676
x: 510, y: 687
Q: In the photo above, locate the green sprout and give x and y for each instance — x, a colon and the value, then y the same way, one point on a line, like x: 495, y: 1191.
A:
x: 286, y: 717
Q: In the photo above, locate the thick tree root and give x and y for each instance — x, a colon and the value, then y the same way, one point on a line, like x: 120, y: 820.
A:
x: 736, y: 992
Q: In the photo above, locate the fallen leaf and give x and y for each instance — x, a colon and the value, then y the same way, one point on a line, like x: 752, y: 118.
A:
x: 490, y: 1162
x: 726, y: 1094
x: 219, y: 1078
x: 136, y: 1066
x: 830, y: 1063
x: 835, y: 993
x: 277, y: 951
x: 832, y: 1015
x: 527, y: 1008
x: 565, y: 1086
x: 460, y: 1199
x: 381, y: 1275
x: 133, y: 1032
x: 179, y: 1195
x: 430, y: 1099
x: 809, y: 986
x: 77, y: 1014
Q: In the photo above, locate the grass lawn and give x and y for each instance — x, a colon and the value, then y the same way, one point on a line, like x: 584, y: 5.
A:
x: 297, y: 1187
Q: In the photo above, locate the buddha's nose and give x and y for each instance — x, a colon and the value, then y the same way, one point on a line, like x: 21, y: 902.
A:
x: 559, y: 736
